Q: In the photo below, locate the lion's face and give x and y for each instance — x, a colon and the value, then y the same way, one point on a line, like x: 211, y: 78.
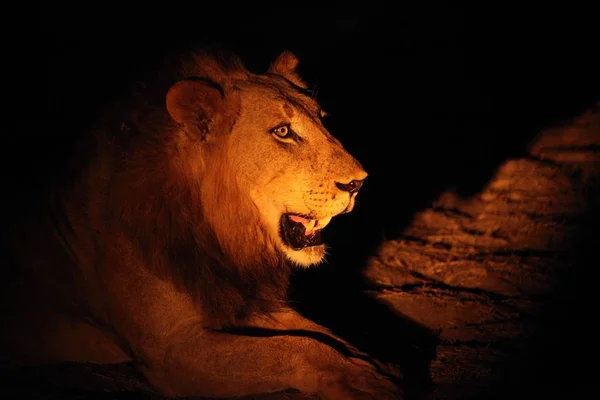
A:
x: 280, y: 157
x: 296, y: 173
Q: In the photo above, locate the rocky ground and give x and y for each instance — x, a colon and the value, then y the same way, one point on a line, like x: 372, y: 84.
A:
x: 504, y: 277
x: 501, y: 282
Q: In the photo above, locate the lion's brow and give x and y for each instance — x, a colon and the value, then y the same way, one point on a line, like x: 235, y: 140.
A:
x: 310, y: 93
x: 294, y: 103
x: 300, y: 100
x: 284, y: 88
x: 292, y: 95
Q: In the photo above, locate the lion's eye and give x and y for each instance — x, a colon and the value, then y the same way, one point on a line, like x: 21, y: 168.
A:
x: 283, y: 132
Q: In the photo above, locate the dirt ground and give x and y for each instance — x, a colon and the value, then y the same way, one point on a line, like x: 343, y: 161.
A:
x: 504, y: 277
x: 498, y: 285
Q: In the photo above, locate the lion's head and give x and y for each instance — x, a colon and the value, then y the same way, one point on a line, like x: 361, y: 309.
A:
x: 220, y: 176
x: 258, y: 141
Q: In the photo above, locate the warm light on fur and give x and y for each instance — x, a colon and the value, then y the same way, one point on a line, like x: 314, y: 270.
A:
x: 170, y: 233
x: 290, y: 178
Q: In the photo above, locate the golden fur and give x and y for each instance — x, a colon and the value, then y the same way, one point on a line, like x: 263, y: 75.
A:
x: 167, y: 237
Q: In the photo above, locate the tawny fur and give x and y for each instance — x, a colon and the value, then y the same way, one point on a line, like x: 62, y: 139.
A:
x: 165, y: 239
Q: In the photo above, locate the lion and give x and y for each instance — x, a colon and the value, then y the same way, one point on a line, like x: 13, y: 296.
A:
x: 170, y: 241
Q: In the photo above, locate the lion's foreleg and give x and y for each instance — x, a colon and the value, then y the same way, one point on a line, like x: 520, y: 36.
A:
x: 290, y: 320
x: 164, y: 330
x: 180, y: 357
x: 218, y: 364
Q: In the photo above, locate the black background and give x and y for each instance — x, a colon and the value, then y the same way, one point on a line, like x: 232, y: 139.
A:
x: 426, y: 96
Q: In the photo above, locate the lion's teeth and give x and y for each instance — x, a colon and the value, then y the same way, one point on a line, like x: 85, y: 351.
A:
x: 308, y: 226
x: 322, y: 223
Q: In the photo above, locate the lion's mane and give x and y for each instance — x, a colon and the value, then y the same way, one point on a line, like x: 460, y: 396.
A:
x: 194, y: 227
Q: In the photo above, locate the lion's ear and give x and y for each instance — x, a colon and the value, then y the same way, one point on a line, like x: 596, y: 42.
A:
x: 285, y: 65
x: 196, y: 104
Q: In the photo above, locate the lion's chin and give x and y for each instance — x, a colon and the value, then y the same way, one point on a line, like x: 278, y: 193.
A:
x: 306, y: 257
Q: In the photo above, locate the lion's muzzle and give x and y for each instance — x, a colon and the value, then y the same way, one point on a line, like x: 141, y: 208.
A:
x: 351, y: 187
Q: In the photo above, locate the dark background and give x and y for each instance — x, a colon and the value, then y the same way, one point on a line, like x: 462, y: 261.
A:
x: 427, y: 97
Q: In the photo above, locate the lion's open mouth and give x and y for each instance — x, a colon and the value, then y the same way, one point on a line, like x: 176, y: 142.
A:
x: 298, y: 231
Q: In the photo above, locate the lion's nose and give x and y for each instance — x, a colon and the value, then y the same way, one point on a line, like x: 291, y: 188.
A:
x: 352, y: 186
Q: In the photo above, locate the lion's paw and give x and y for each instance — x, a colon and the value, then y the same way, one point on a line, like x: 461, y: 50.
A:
x: 357, y: 380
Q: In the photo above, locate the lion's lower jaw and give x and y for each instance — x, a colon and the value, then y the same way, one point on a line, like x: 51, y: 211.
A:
x: 306, y: 257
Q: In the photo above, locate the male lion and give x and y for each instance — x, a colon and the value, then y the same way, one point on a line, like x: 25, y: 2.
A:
x: 170, y: 241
